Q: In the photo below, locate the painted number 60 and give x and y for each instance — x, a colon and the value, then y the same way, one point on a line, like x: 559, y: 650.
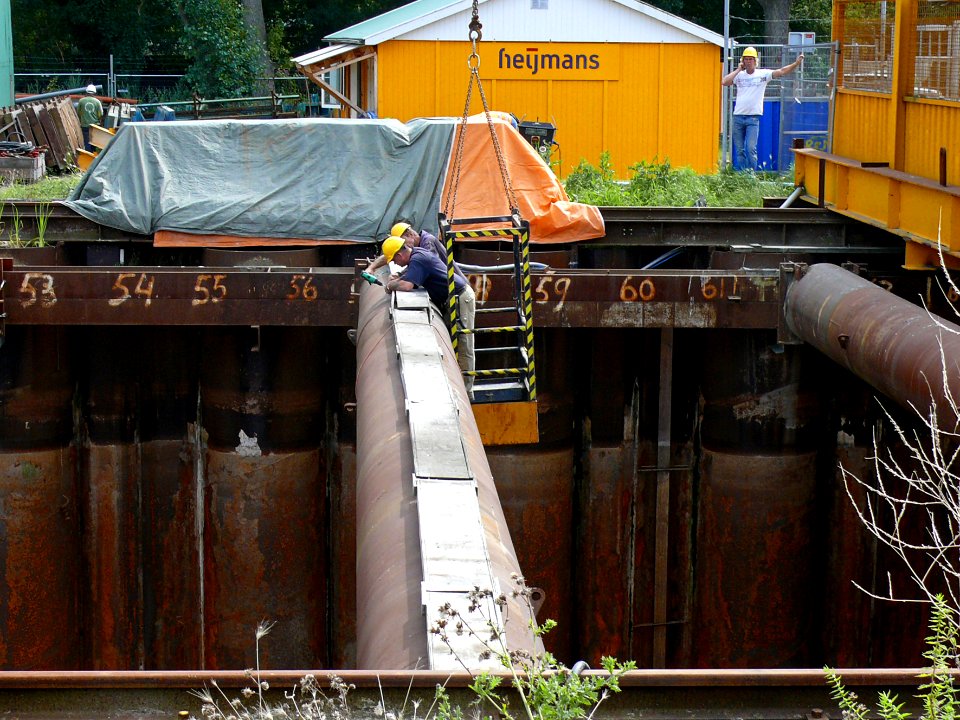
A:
x: 645, y: 291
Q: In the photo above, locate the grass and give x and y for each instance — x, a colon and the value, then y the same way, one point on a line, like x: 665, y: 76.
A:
x: 662, y: 185
x: 51, y: 187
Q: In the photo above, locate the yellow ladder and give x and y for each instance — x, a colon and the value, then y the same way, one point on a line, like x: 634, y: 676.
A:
x: 520, y: 381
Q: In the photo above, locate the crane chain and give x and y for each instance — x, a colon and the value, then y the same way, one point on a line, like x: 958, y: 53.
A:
x: 473, y: 63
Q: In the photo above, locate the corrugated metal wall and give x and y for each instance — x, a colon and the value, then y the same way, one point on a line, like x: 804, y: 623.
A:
x: 932, y: 124
x: 664, y: 104
x: 855, y: 112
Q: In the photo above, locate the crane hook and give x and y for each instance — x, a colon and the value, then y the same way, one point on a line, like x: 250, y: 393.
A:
x: 475, y: 25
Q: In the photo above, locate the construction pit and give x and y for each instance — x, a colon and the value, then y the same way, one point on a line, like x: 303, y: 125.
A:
x: 192, y: 443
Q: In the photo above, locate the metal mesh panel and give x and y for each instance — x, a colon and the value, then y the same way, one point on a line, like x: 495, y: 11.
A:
x: 868, y: 45
x: 936, y: 43
x: 806, y: 97
x: 797, y: 106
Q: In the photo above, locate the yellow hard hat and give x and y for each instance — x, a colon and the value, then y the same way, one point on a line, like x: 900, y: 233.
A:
x: 390, y: 246
x: 399, y: 229
x: 750, y: 52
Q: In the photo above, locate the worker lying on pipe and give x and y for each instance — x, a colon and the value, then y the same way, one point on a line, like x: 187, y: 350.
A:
x: 412, y: 238
x: 424, y: 269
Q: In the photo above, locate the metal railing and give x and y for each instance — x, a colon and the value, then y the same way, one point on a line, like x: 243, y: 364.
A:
x: 217, y: 107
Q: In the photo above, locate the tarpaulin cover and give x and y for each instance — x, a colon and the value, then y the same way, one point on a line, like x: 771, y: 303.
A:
x: 540, y: 196
x: 222, y: 181
x: 311, y: 178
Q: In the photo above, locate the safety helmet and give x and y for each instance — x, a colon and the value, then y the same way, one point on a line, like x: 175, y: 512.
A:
x: 399, y: 229
x: 750, y: 52
x: 390, y: 246
x: 91, y: 89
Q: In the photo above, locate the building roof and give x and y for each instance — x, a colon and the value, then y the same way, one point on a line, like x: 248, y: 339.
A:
x: 420, y: 13
x: 392, y: 23
x: 340, y: 51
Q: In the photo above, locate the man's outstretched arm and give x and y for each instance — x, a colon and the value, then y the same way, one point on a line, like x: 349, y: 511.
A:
x: 787, y: 69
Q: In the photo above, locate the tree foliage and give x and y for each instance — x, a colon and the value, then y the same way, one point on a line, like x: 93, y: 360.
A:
x: 225, y: 56
x: 177, y: 36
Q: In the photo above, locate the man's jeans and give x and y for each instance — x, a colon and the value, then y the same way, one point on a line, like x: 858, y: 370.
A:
x: 746, y: 128
x: 466, y: 311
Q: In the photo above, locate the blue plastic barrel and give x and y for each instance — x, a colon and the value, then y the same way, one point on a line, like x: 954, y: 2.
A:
x: 767, y: 139
x: 807, y: 120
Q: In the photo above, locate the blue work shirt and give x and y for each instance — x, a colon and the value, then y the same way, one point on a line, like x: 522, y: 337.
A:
x: 430, y: 242
x: 427, y: 271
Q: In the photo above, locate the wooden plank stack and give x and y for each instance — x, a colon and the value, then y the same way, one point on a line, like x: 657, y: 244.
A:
x: 52, y: 124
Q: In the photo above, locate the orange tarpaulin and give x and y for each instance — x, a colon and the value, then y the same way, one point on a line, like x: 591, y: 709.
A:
x: 174, y: 238
x: 541, y: 198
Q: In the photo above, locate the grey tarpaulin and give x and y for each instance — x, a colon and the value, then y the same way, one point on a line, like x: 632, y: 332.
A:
x: 311, y: 178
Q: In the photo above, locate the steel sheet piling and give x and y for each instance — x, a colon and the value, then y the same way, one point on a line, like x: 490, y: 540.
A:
x: 757, y: 534
x: 755, y: 595
x: 537, y: 488
x: 111, y: 502
x: 172, y: 627
x: 265, y: 548
x: 264, y: 497
x: 40, y: 562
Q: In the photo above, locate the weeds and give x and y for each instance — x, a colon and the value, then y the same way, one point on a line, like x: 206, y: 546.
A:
x: 44, y: 211
x: 660, y: 184
x: 938, y: 694
x: 16, y: 227
x: 546, y: 689
x: 306, y: 701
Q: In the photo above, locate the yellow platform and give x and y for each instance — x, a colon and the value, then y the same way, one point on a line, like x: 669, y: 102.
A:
x: 510, y: 423
x: 923, y: 212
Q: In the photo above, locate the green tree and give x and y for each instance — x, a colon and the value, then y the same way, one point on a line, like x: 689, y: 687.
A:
x: 304, y: 23
x: 225, y: 57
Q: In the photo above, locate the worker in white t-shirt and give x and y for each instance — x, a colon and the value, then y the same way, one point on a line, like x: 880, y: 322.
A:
x: 751, y: 83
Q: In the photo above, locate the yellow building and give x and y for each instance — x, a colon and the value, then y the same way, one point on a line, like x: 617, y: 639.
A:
x: 614, y: 75
x: 895, y: 159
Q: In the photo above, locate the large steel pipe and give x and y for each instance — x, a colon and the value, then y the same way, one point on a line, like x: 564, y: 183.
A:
x: 391, y: 626
x: 899, y: 348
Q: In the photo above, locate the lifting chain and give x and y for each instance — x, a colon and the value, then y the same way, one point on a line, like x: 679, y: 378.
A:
x: 473, y: 63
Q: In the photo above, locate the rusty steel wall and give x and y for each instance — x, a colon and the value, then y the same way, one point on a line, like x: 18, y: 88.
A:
x: 170, y: 546
x: 139, y: 551
x: 110, y: 493
x: 755, y: 575
x: 264, y: 493
x: 537, y: 491
x: 39, y: 604
x: 603, y: 613
x: 757, y: 535
x: 343, y: 556
x: 264, y: 545
x: 40, y: 561
x: 167, y: 541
